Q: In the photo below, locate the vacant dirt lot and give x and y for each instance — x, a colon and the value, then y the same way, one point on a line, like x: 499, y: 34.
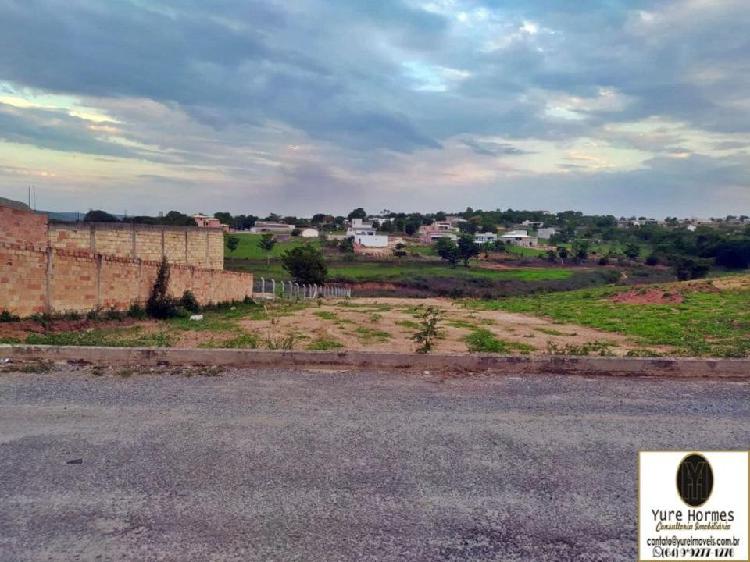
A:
x: 387, y: 324
x: 316, y: 465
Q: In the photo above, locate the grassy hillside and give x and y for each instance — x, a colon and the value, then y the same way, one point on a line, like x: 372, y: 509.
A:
x: 395, y: 271
x: 703, y: 320
x: 248, y: 247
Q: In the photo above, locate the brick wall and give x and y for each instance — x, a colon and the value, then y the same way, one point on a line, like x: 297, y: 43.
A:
x: 78, y: 268
x: 200, y: 247
x: 22, y: 227
x: 57, y: 281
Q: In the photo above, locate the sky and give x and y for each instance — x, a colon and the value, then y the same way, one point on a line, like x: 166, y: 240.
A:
x: 629, y: 107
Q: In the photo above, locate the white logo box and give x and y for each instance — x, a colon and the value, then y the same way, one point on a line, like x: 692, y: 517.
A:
x: 670, y: 529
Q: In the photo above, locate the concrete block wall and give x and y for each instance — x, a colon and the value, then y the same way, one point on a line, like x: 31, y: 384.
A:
x: 78, y: 268
x: 199, y: 247
x: 24, y: 228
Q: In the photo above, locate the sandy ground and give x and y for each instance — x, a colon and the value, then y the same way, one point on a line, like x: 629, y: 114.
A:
x: 387, y: 324
x: 300, y: 465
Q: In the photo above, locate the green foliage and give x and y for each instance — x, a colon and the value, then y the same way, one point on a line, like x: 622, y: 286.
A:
x: 241, y: 341
x: 99, y: 216
x: 358, y: 213
x: 232, y: 243
x: 429, y: 330
x: 632, y: 250
x: 136, y: 311
x: 447, y: 250
x: 6, y: 316
x: 689, y: 268
x: 159, y: 303
x: 266, y: 243
x: 482, y: 340
x: 600, y: 348
x: 346, y: 246
x: 704, y: 324
x: 324, y: 344
x: 399, y: 250
x: 369, y: 335
x: 305, y: 264
x: 189, y: 302
x: 467, y: 248
x: 118, y: 337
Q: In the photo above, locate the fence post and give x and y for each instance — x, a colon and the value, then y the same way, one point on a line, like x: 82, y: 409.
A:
x: 262, y: 284
x: 273, y: 287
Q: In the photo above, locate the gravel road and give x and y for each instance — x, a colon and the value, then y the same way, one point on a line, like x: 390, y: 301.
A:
x: 320, y: 465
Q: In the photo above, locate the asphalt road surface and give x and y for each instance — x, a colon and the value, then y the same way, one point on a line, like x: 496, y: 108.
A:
x: 282, y: 465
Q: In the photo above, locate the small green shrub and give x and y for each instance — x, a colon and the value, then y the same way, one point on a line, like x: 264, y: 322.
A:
x: 324, y: 344
x: 429, y: 330
x: 189, y: 302
x: 6, y: 316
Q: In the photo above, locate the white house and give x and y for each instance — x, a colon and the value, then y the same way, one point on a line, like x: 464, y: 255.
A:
x: 369, y: 239
x: 520, y: 238
x: 364, y: 234
x: 485, y: 237
x: 546, y: 233
x: 309, y: 233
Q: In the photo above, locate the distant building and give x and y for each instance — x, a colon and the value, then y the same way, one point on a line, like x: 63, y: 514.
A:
x: 309, y: 233
x: 261, y: 227
x: 438, y: 229
x: 546, y: 233
x: 204, y: 221
x: 520, y: 238
x: 485, y: 237
x: 365, y: 235
x: 532, y: 224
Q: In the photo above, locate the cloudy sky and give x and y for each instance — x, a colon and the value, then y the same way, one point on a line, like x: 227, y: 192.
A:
x: 618, y: 106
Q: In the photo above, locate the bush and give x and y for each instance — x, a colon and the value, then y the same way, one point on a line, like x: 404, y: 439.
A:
x: 689, y: 268
x: 6, y: 316
x: 160, y: 304
x: 305, y: 264
x: 189, y: 302
x: 428, y: 330
x: 652, y: 259
x: 603, y: 261
x: 136, y: 311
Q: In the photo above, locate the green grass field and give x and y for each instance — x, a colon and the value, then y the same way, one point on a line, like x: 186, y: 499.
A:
x: 395, y: 271
x: 705, y: 324
x: 248, y: 246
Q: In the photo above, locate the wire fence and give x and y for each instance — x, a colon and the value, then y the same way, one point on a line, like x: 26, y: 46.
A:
x: 273, y: 289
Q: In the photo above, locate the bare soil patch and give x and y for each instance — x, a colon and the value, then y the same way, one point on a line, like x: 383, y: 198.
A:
x: 648, y: 296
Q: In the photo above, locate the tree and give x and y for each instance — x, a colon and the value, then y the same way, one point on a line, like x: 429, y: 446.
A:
x: 467, y: 248
x: 399, y: 250
x: 99, y: 216
x: 358, y: 213
x: 224, y: 218
x: 688, y: 268
x: 447, y: 250
x: 266, y: 243
x: 305, y: 264
x: 581, y: 249
x: 346, y: 246
x: 562, y: 253
x: 632, y: 250
x: 232, y: 243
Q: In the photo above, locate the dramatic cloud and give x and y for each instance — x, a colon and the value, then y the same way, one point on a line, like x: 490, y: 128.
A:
x: 626, y: 106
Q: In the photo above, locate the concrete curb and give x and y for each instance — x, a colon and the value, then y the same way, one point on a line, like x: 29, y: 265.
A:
x: 500, y: 364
